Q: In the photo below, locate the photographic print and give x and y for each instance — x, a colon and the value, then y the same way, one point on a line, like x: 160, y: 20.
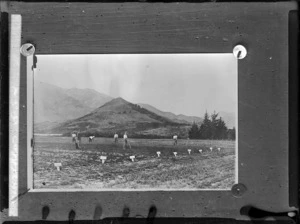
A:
x: 135, y: 122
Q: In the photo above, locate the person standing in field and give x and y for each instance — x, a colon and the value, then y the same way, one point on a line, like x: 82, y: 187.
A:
x: 79, y: 136
x: 91, y: 138
x: 116, y: 137
x: 73, y: 137
x: 77, y: 143
x: 126, y: 142
x: 175, y: 137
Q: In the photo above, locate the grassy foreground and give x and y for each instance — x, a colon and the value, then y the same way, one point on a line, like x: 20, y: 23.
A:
x: 82, y: 168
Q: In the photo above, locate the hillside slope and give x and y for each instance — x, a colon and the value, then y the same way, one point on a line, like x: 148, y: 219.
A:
x: 54, y: 104
x: 88, y: 97
x: 119, y: 115
x: 177, y: 118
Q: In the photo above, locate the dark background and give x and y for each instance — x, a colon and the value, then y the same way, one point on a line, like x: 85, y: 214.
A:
x: 267, y: 88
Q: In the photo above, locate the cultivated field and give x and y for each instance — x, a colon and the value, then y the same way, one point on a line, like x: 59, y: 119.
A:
x: 82, y: 168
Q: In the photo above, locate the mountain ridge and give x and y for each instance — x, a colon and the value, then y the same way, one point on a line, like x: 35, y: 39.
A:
x: 179, y: 118
x: 89, y: 97
x: 56, y: 104
x: 59, y: 110
x: 119, y: 115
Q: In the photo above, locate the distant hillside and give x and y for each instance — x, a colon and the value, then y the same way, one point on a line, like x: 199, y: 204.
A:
x: 55, y: 104
x: 229, y: 118
x: 119, y: 115
x: 61, y: 111
x: 177, y: 118
x: 88, y: 97
x: 52, y: 104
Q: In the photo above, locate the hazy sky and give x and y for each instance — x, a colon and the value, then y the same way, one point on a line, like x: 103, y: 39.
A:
x: 180, y: 83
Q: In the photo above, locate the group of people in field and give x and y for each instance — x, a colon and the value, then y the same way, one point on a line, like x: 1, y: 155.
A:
x: 76, y: 138
x: 125, y: 137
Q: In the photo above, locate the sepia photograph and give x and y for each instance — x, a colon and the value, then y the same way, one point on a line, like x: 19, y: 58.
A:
x: 135, y: 122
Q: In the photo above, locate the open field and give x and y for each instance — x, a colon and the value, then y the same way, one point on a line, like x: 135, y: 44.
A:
x: 82, y: 168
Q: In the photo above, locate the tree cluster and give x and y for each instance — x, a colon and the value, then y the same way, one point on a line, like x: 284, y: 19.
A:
x: 212, y: 127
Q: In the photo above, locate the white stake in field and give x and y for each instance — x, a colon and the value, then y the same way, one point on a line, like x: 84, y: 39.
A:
x: 189, y: 151
x: 103, y: 158
x: 58, y: 166
x: 158, y: 154
x: 132, y: 158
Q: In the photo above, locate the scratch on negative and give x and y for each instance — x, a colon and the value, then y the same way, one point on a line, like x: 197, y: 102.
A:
x: 20, y: 195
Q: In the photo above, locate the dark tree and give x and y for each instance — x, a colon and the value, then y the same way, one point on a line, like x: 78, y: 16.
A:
x: 194, y: 131
x: 205, y: 128
x: 231, y: 134
x: 221, y: 129
x: 213, y: 127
